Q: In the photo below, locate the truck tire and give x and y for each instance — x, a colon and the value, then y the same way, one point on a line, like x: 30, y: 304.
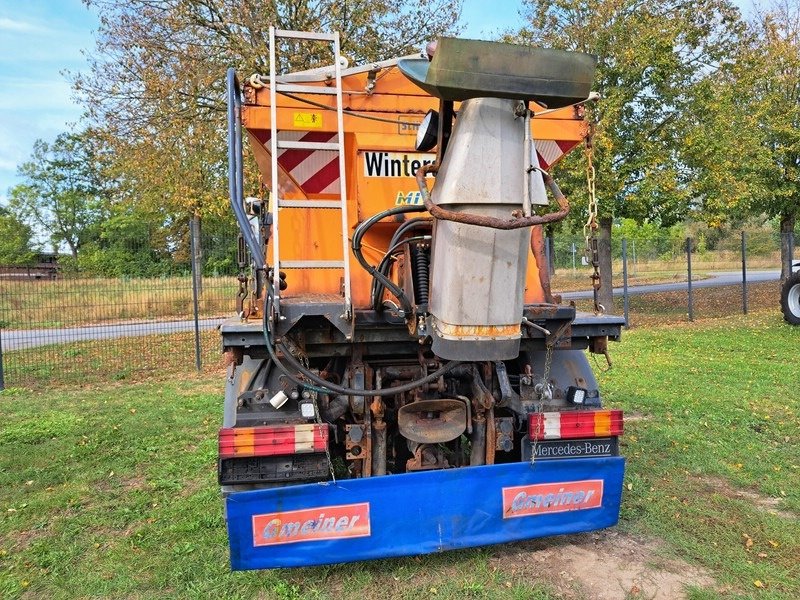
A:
x: 790, y: 299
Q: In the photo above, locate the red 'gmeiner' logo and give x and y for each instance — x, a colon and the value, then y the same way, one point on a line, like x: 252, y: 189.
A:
x: 312, y: 524
x: 542, y: 498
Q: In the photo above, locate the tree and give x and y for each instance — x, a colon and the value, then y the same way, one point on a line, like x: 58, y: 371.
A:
x: 650, y: 58
x: 156, y: 79
x: 769, y: 84
x: 16, y: 240
x: 63, y: 190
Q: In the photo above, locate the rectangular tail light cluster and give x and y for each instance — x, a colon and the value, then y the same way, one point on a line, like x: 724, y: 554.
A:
x: 272, y: 440
x: 574, y: 424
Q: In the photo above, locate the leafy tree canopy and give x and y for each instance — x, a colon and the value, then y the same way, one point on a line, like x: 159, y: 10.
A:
x: 63, y: 190
x: 156, y: 78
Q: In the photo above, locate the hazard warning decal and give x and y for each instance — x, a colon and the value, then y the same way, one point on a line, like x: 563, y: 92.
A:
x: 315, y: 171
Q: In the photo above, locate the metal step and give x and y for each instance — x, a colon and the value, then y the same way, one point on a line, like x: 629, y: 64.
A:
x: 305, y: 35
x: 305, y: 89
x: 287, y: 145
x: 310, y: 204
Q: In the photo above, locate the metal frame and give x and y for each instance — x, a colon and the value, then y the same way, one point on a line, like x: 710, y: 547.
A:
x: 276, y: 86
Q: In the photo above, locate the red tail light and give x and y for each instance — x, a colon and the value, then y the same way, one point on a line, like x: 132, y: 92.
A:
x: 272, y: 440
x: 574, y: 424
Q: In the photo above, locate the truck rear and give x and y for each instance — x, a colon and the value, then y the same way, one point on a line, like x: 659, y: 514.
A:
x: 401, y: 379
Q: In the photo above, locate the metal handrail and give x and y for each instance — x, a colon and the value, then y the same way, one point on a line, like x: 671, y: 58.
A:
x: 235, y: 168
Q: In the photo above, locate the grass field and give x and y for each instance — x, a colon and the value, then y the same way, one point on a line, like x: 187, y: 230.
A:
x: 110, y: 491
x: 68, y: 302
x: 94, y: 362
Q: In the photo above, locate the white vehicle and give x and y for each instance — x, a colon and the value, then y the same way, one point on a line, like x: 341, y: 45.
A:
x: 790, y: 296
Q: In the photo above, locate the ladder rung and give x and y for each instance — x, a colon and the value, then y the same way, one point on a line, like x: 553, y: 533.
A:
x: 287, y: 145
x: 310, y: 204
x: 304, y: 35
x: 312, y: 264
x: 305, y: 89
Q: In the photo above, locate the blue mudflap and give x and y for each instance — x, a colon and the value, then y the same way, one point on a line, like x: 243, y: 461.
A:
x: 419, y: 513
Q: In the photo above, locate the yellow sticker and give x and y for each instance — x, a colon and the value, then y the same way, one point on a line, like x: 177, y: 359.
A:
x: 307, y: 120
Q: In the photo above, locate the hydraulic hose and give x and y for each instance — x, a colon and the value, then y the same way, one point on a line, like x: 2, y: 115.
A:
x: 326, y: 387
x: 235, y: 175
x: 356, y: 246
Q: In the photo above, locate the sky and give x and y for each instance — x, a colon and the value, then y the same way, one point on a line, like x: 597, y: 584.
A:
x: 41, y: 40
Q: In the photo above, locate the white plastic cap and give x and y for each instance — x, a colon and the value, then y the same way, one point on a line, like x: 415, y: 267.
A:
x: 278, y: 400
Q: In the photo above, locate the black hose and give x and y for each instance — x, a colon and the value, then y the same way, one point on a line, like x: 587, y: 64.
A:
x: 356, y: 246
x: 421, y: 274
x: 376, y: 292
x: 235, y: 176
x: 383, y: 267
x: 326, y: 386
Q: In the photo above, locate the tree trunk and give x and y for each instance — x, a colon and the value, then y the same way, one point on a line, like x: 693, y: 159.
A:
x: 605, y: 296
x: 787, y: 231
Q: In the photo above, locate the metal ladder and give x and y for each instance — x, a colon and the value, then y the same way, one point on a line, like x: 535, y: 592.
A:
x: 276, y: 87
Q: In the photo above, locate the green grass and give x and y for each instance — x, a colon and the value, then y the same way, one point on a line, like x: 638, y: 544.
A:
x: 111, y: 492
x: 92, y: 362
x: 68, y: 302
x: 720, y: 434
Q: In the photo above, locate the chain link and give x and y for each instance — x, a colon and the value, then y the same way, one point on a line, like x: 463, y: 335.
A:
x: 591, y: 225
x: 544, y: 391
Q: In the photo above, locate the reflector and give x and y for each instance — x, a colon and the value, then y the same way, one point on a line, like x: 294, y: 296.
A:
x: 427, y: 132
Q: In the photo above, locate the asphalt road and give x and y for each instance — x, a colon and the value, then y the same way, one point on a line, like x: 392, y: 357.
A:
x: 19, y: 339
x: 715, y: 279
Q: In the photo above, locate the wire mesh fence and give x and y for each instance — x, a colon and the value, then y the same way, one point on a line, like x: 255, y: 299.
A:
x: 66, y: 321
x: 681, y: 279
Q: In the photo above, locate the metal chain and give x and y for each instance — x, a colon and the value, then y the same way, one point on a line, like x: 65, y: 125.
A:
x: 304, y: 361
x: 590, y: 228
x: 544, y: 391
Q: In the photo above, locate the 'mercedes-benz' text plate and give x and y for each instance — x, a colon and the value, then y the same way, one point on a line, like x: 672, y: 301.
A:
x: 558, y: 449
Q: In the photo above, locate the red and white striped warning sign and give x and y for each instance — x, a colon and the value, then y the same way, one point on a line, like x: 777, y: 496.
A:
x: 550, y: 151
x: 315, y: 171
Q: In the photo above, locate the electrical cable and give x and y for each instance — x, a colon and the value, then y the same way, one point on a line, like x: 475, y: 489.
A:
x: 326, y: 387
x: 377, y: 287
x: 359, y: 233
x: 345, y: 111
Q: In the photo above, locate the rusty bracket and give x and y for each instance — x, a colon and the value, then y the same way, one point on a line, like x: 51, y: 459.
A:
x: 444, y: 214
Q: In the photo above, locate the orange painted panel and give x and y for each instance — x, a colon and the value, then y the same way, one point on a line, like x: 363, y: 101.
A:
x: 380, y: 164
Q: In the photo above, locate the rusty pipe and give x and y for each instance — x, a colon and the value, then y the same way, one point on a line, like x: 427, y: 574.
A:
x: 379, y: 448
x: 491, y: 437
x: 540, y: 256
x: 478, y: 440
x: 444, y: 214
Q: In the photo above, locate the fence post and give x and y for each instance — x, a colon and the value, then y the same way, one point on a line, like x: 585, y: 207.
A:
x: 744, y: 273
x: 625, y: 298
x: 195, y: 268
x: 689, y: 281
x: 2, y: 373
x: 574, y: 252
x: 635, y: 265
